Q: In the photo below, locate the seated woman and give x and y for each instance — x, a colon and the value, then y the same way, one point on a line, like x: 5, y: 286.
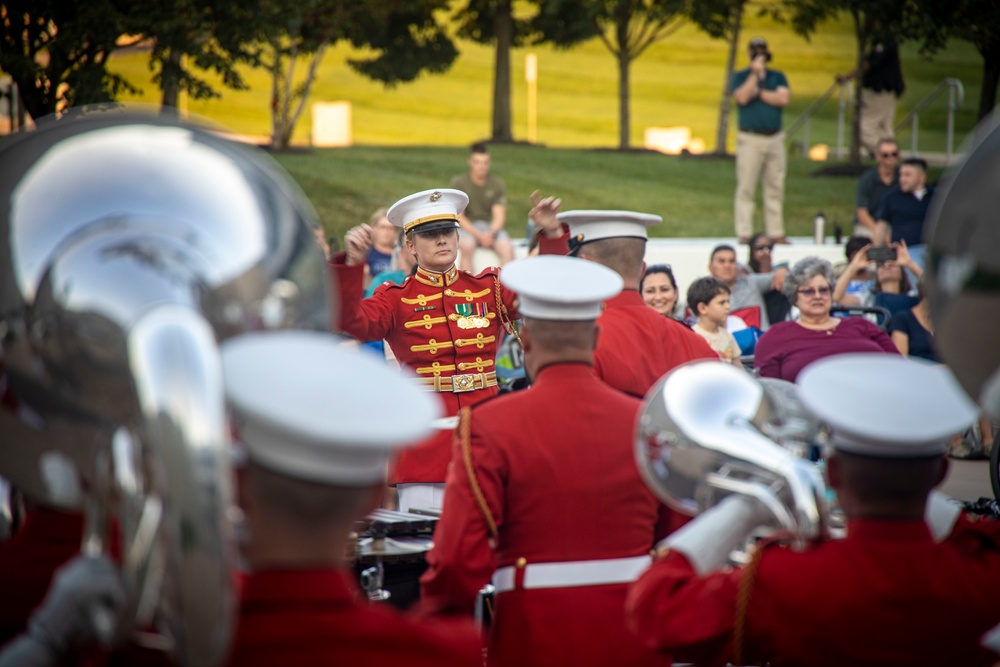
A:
x: 788, y: 347
x: 658, y: 288
x: 912, y: 330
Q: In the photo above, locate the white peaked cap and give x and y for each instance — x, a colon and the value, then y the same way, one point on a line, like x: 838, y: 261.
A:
x: 553, y: 287
x: 587, y: 226
x: 428, y: 210
x: 307, y: 407
x: 886, y: 405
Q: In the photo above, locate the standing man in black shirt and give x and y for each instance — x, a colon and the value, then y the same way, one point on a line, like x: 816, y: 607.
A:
x: 881, y: 84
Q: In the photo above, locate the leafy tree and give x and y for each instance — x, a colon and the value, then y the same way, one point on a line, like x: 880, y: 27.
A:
x: 56, y: 52
x: 626, y: 27
x: 487, y: 22
x: 403, y: 36
x: 806, y: 15
x: 195, y: 35
x: 976, y: 21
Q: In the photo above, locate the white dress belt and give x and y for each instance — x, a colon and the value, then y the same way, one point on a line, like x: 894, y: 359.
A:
x: 573, y: 573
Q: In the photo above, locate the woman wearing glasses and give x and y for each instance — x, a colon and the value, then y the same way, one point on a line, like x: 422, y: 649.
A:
x: 788, y: 347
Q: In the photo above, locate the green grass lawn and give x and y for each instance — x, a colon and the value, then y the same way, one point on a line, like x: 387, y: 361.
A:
x: 414, y: 136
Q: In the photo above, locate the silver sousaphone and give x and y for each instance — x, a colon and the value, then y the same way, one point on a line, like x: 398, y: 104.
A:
x: 708, y: 430
x: 130, y: 245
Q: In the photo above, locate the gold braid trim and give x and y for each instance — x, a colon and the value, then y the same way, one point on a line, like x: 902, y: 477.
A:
x: 508, y: 326
x: 743, y: 601
x: 465, y: 441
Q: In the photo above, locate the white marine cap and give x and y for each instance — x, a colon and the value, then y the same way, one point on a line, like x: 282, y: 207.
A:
x: 428, y: 210
x: 307, y: 407
x: 587, y: 226
x: 554, y: 287
x: 886, y: 405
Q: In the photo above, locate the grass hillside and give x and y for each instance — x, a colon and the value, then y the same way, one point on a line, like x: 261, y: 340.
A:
x: 414, y: 136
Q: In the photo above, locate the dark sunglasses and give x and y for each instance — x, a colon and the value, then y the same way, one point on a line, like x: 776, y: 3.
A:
x: 768, y: 248
x: 892, y: 154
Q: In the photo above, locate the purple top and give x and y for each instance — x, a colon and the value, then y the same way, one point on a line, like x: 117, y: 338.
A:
x: 787, y: 347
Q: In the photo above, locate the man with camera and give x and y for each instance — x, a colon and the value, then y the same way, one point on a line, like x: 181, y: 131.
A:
x: 761, y: 94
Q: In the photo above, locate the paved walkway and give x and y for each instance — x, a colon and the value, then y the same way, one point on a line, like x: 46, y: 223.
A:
x: 968, y: 480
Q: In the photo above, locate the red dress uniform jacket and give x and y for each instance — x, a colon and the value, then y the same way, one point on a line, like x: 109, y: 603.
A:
x: 441, y: 326
x: 316, y: 617
x: 554, y: 464
x: 638, y: 345
x: 886, y: 595
x: 28, y: 560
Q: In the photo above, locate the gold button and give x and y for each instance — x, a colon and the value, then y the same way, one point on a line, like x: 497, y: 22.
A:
x: 521, y: 562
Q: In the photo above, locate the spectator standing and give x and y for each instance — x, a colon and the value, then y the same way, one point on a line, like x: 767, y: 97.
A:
x: 761, y: 94
x: 709, y: 299
x: 483, y: 220
x: 881, y: 85
x: 317, y: 451
x: 874, y: 183
x: 543, y: 492
x: 745, y: 290
x: 899, y: 590
x: 903, y: 209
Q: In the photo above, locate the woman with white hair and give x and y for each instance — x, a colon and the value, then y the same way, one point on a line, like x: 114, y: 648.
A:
x: 788, y: 347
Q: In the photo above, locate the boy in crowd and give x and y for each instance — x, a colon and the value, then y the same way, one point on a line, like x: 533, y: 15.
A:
x: 709, y: 298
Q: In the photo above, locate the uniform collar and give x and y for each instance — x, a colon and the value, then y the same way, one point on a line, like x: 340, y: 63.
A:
x: 435, y: 279
x: 888, y: 531
x: 627, y: 297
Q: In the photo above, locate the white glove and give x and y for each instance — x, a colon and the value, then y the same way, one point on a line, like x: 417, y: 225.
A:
x: 941, y: 514
x: 82, y: 609
x: 708, y: 540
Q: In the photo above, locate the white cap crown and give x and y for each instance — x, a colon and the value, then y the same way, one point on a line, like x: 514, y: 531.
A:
x: 587, y: 226
x: 553, y: 287
x: 428, y: 210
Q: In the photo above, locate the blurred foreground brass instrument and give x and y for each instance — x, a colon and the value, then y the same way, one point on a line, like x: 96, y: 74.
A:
x: 130, y: 245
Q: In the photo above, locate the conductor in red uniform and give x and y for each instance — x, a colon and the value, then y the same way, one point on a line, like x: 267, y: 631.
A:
x: 543, y: 493
x: 317, y: 452
x: 637, y: 346
x: 443, y: 324
x: 898, y: 590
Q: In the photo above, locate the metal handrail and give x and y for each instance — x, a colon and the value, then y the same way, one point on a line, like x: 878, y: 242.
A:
x: 846, y: 90
x: 955, y: 90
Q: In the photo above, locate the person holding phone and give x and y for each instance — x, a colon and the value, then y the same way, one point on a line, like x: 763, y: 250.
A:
x: 889, y: 276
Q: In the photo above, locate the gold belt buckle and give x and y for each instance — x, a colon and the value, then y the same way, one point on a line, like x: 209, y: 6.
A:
x: 466, y: 382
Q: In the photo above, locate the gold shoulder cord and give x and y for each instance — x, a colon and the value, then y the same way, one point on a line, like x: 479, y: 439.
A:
x: 743, y: 603
x: 465, y: 441
x: 508, y: 326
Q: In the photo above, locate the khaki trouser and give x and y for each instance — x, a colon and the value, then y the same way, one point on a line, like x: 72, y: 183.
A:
x: 878, y: 110
x: 760, y: 156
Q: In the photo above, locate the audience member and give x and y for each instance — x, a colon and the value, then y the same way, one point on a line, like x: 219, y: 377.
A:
x: 760, y: 94
x: 881, y: 84
x: 903, y: 209
x: 659, y: 289
x: 912, y: 330
x: 527, y: 468
x: 899, y: 590
x: 709, y: 299
x: 443, y: 324
x: 859, y: 285
x: 788, y: 347
x: 384, y: 235
x: 483, y: 220
x: 889, y: 278
x: 874, y: 183
x: 747, y: 290
x: 317, y: 452
x: 637, y: 346
x: 761, y: 260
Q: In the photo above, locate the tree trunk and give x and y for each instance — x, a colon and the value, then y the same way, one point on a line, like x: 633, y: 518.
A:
x: 275, y: 95
x: 861, y: 37
x: 170, y: 82
x: 624, y: 60
x: 726, y: 102
x: 991, y: 76
x: 501, y: 74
